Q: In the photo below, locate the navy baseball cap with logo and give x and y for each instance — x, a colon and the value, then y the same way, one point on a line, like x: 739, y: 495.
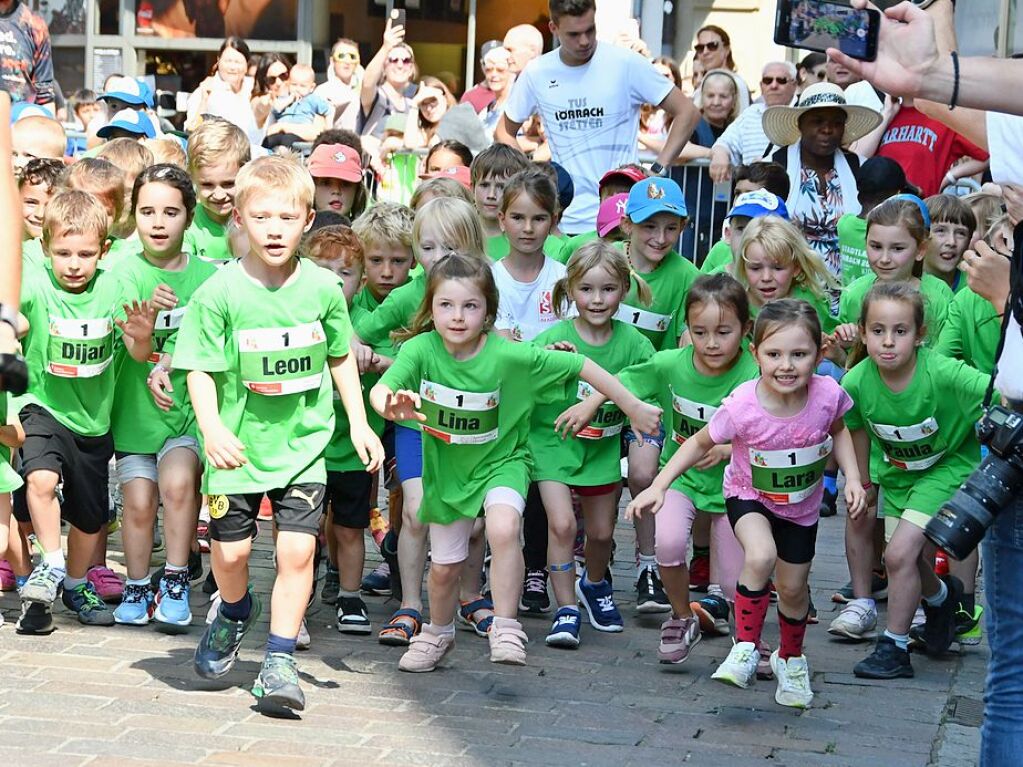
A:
x: 655, y: 195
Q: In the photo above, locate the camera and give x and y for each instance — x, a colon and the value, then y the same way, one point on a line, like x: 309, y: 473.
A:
x: 961, y: 523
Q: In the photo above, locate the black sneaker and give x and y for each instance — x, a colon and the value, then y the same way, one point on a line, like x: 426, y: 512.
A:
x: 36, y: 618
x: 940, y: 628
x: 878, y: 589
x: 389, y: 551
x: 331, y: 585
x: 276, y: 689
x: 650, y: 596
x: 713, y: 612
x: 535, y: 599
x: 86, y: 604
x: 887, y: 661
x: 829, y: 504
x: 352, y: 617
x: 209, y: 586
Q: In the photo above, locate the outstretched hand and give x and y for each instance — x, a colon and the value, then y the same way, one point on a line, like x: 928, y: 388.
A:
x: 403, y: 405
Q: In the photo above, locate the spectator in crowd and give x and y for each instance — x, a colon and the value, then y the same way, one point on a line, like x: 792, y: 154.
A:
x: 388, y: 85
x: 480, y: 96
x: 225, y: 93
x: 713, y: 50
x: 446, y: 154
x: 344, y: 82
x: 26, y: 68
x: 857, y: 91
x: 653, y: 123
x: 523, y: 43
x: 269, y: 86
x: 811, y: 69
x: 499, y: 78
x: 301, y: 115
x: 428, y: 106
x: 85, y: 106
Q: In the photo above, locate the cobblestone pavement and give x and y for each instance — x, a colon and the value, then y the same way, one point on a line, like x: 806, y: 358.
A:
x: 127, y: 695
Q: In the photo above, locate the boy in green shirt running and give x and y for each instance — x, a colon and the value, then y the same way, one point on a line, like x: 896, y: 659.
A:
x: 262, y: 340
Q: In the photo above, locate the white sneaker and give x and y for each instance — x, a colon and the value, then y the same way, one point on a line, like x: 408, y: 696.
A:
x: 215, y: 601
x: 303, y: 642
x: 793, y: 681
x: 856, y: 621
x: 740, y: 667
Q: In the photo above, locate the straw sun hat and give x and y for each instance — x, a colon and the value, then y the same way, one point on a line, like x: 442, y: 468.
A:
x: 781, y: 124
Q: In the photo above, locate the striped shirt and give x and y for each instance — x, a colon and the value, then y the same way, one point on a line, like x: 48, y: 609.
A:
x: 745, y: 139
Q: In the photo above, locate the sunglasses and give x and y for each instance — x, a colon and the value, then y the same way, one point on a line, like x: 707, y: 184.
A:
x: 406, y: 60
x: 773, y: 80
x: 345, y: 56
x: 712, y: 46
x: 271, y: 79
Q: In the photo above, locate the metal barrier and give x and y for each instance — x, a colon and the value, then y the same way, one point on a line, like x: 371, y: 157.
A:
x: 707, y: 204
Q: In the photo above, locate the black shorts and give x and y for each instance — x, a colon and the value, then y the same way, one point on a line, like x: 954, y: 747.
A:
x: 349, y: 495
x: 795, y: 543
x: 296, y: 508
x: 83, y: 464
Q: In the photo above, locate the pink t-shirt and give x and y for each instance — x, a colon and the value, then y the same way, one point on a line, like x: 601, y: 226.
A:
x: 779, y: 462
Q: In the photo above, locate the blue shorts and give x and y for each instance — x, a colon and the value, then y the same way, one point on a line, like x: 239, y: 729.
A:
x: 408, y: 449
x: 629, y: 436
x: 831, y: 370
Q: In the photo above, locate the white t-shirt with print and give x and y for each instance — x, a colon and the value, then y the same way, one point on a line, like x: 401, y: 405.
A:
x: 526, y: 309
x: 590, y: 116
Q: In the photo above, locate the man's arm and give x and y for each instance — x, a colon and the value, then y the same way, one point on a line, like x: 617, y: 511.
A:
x: 506, y: 131
x: 41, y: 78
x: 12, y: 371
x: 684, y: 118
x: 969, y: 123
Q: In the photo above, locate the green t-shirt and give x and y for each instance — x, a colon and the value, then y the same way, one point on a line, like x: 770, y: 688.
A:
x: 139, y: 426
x: 32, y: 256
x: 498, y: 247
x: 476, y: 434
x: 572, y: 244
x: 70, y: 348
x: 852, y: 248
x: 670, y: 377
x: 664, y: 320
x: 937, y: 298
x: 594, y: 456
x: 821, y: 305
x: 971, y: 331
x: 9, y: 479
x: 120, y: 250
x: 718, y: 259
x: 395, y: 312
x: 207, y: 238
x: 267, y: 352
x: 924, y: 435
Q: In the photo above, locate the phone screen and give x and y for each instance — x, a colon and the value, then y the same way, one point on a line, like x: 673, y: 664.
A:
x: 822, y: 25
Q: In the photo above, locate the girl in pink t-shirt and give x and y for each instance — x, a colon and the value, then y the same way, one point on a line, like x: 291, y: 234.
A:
x: 782, y: 427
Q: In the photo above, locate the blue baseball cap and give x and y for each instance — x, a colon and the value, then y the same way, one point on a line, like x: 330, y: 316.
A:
x: 130, y: 91
x: 24, y: 109
x: 655, y: 195
x: 759, y: 202
x: 130, y: 120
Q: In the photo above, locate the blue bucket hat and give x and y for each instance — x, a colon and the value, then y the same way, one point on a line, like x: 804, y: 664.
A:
x: 129, y: 120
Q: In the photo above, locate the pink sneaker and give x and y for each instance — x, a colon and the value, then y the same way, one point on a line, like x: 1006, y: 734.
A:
x: 6, y: 576
x: 106, y: 582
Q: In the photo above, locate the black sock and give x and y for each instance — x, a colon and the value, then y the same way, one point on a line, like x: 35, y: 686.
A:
x: 968, y: 602
x: 237, y: 611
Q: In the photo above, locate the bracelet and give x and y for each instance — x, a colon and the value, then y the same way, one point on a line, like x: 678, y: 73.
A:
x: 955, y: 81
x: 868, y: 486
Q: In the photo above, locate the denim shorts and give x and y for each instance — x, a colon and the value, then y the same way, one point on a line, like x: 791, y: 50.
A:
x: 629, y: 436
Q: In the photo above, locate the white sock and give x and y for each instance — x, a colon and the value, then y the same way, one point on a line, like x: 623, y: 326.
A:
x: 646, y: 562
x: 137, y: 581
x: 939, y: 597
x: 175, y: 568
x: 55, y: 559
x: 72, y: 583
x: 448, y: 630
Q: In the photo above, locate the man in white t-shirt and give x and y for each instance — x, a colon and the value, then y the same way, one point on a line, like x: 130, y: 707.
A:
x: 589, y: 96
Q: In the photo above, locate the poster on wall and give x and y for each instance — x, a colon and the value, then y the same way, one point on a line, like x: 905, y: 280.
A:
x: 63, y: 17
x: 255, y: 19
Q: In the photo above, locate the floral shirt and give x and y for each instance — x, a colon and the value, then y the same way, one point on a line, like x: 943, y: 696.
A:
x: 817, y: 216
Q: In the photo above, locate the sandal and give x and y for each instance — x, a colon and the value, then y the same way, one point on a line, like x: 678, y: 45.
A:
x: 481, y: 625
x: 404, y: 624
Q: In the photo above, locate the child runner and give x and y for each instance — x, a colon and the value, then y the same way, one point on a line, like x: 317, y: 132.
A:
x: 463, y: 383
x: 917, y: 409
x: 782, y: 426
x: 337, y: 171
x: 598, y: 277
x: 952, y: 227
x: 36, y: 185
x: 258, y: 341
x: 490, y: 170
x: 156, y: 447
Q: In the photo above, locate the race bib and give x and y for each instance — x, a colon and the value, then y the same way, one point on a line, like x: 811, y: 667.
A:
x: 688, y: 417
x: 607, y: 421
x: 911, y: 448
x: 459, y: 417
x: 80, y: 348
x: 789, y: 476
x: 642, y: 319
x: 277, y: 361
x: 167, y: 324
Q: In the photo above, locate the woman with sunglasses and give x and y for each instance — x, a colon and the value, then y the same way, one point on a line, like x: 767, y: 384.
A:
x: 713, y: 50
x: 344, y: 83
x: 388, y: 86
x: 270, y: 85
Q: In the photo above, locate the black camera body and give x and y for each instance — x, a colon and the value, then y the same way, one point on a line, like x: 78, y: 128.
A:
x: 961, y: 523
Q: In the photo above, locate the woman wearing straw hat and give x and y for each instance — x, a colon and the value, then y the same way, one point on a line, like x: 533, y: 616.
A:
x: 822, y: 174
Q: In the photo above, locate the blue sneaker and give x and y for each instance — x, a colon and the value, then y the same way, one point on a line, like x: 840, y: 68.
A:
x: 85, y: 602
x: 172, y: 601
x: 598, y: 600
x: 276, y: 689
x: 219, y: 644
x: 565, y: 629
x: 378, y: 582
x: 136, y: 606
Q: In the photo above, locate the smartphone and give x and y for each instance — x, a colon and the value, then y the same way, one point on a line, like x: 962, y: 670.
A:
x: 398, y: 17
x: 819, y: 24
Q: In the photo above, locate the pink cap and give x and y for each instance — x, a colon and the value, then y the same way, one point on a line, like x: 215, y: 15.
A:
x: 459, y: 173
x: 335, y: 161
x: 611, y: 213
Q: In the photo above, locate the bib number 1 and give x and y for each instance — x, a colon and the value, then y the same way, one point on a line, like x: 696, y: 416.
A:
x: 607, y: 421
x: 459, y: 417
x: 80, y: 348
x: 789, y: 476
x: 278, y: 361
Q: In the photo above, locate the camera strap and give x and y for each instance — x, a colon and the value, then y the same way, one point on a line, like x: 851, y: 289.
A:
x: 1014, y: 306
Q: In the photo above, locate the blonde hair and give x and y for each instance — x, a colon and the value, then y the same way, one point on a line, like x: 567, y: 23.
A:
x: 986, y: 208
x: 454, y: 266
x: 782, y: 243
x: 385, y: 223
x: 593, y: 254
x: 166, y: 151
x: 72, y: 211
x: 279, y: 175
x: 131, y: 156
x: 217, y: 140
x: 456, y: 222
x: 440, y: 187
x: 100, y: 178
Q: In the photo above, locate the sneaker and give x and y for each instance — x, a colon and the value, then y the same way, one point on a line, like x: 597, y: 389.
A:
x: 940, y: 624
x: 276, y: 689
x: 793, y: 677
x: 389, y: 551
x: 195, y: 571
x: 740, y: 667
x: 136, y: 606
x: 969, y: 627
x: 699, y: 573
x: 856, y: 621
x: 331, y: 585
x: 106, y: 583
x: 650, y: 596
x: 565, y: 629
x: 887, y: 661
x: 598, y: 601
x: 352, y: 617
x: 535, y: 599
x: 878, y: 589
x: 43, y: 584
x: 214, y: 608
x: 171, y: 603
x: 303, y: 641
x: 7, y: 582
x: 507, y: 642
x: 426, y: 650
x: 828, y: 508
x: 209, y: 586
x: 219, y: 644
x: 378, y: 582
x: 712, y: 611
x: 36, y: 619
x: 678, y: 637
x: 86, y: 603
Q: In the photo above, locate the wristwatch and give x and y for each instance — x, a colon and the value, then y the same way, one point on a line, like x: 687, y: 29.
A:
x: 657, y: 169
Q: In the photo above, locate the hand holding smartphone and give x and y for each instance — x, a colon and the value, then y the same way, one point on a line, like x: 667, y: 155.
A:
x: 398, y: 17
x: 817, y: 25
